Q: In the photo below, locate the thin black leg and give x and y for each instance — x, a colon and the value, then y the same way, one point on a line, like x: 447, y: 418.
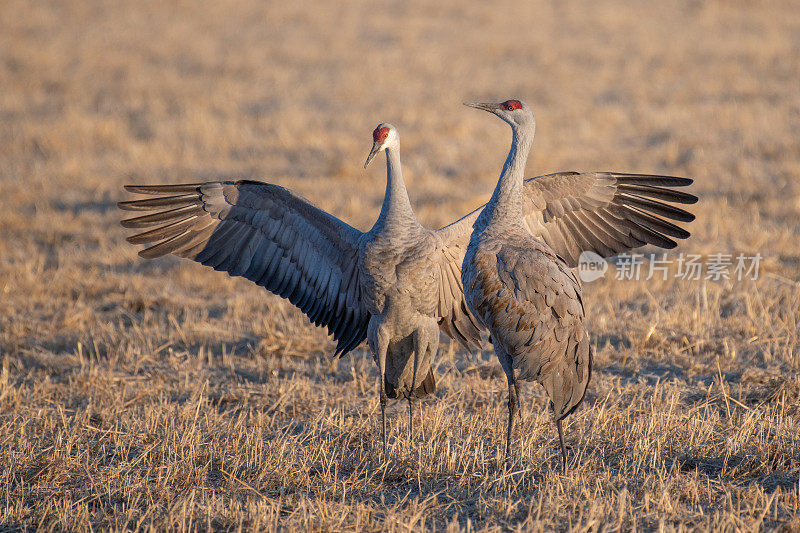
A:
x: 383, y: 418
x: 410, y: 418
x: 563, y: 448
x: 512, y: 410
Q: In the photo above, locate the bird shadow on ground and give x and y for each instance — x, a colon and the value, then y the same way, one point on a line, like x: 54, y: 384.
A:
x: 648, y: 370
x: 722, y: 468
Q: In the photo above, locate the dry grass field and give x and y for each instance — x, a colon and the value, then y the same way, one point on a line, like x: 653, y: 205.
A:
x: 164, y: 395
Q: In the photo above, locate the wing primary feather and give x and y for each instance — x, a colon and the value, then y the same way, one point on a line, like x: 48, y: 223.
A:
x: 164, y: 231
x: 612, y: 238
x: 557, y: 240
x: 657, y: 208
x: 589, y: 234
x: 647, y: 179
x: 192, y: 248
x: 572, y: 248
x: 163, y: 216
x: 280, y: 275
x: 164, y: 247
x: 305, y: 292
x: 633, y: 239
x: 310, y: 287
x: 189, y: 240
x: 147, y: 205
x: 656, y: 224
x: 337, y: 317
x: 582, y: 236
x: 649, y: 236
x: 164, y: 189
x: 321, y: 309
x: 299, y: 287
x: 669, y: 195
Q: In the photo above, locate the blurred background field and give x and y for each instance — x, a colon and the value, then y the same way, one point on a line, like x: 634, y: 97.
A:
x: 165, y: 395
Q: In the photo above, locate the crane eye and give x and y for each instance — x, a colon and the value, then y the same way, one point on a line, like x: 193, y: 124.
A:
x: 509, y: 107
x: 380, y: 134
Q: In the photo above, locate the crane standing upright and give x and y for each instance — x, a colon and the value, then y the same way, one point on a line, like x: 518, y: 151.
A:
x: 395, y: 285
x: 516, y: 272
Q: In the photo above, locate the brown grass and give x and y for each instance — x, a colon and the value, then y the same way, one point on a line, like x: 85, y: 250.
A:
x: 163, y: 395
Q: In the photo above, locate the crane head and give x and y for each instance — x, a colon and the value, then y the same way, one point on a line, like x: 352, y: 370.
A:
x: 385, y: 135
x: 515, y: 112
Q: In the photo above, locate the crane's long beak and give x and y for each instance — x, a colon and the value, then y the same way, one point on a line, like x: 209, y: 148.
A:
x: 491, y: 108
x: 376, y: 147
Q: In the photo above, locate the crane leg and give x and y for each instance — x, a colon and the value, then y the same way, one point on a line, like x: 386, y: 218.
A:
x: 512, y: 410
x: 418, y: 346
x: 563, y: 448
x: 383, y: 347
x: 513, y: 390
x: 410, y: 418
x: 383, y: 418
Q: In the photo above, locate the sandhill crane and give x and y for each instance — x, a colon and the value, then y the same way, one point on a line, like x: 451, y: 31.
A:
x: 516, y: 274
x: 396, y: 283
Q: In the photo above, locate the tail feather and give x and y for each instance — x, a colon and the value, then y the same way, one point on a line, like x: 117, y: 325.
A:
x: 566, y: 386
x: 427, y: 387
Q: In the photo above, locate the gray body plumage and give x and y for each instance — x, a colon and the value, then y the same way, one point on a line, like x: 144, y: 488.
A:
x: 529, y: 301
x: 411, y: 285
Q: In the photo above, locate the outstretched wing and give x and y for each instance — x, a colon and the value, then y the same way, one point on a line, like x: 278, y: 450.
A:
x: 605, y: 212
x: 266, y: 234
x: 455, y: 319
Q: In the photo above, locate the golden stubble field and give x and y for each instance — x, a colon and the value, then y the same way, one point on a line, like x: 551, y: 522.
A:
x: 164, y: 395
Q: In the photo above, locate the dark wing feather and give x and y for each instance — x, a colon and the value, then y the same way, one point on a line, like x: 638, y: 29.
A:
x: 266, y: 234
x: 605, y: 212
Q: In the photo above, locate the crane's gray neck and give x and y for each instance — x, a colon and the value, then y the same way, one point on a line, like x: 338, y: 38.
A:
x: 396, y: 206
x: 506, y: 201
